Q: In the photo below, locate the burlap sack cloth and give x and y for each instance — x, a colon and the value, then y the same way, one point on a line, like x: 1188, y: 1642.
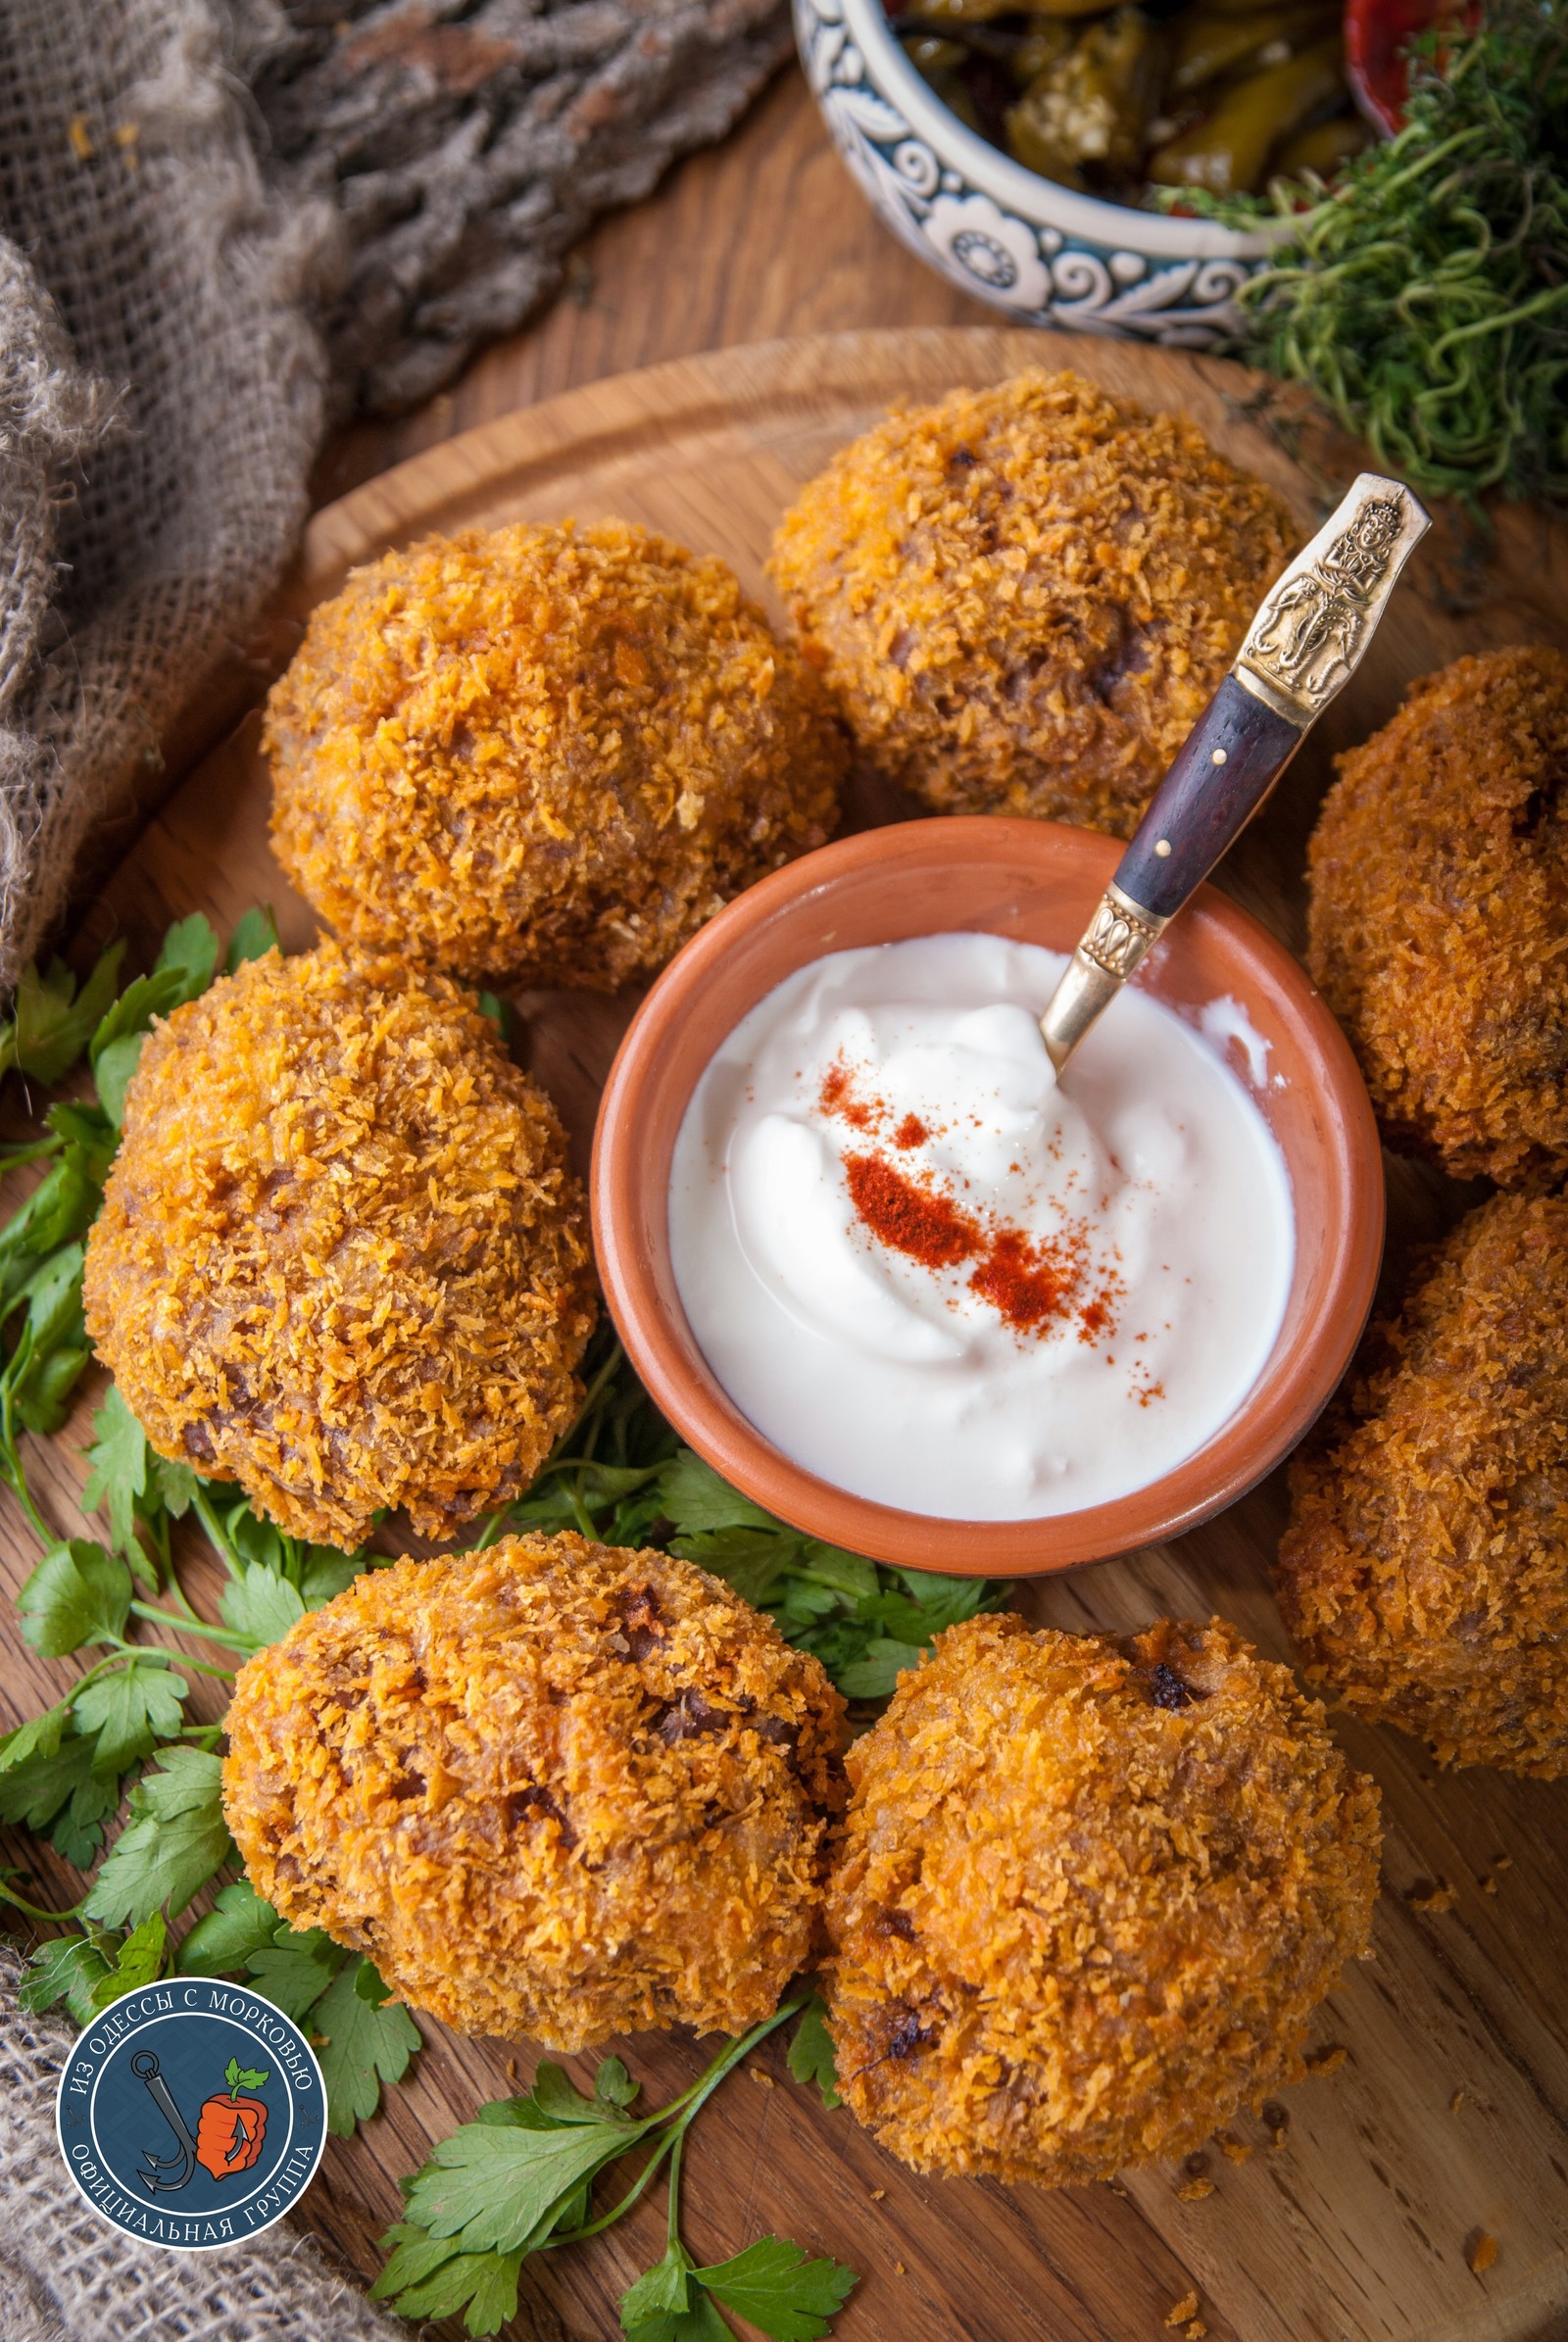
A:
x: 67, y: 2277
x: 189, y: 189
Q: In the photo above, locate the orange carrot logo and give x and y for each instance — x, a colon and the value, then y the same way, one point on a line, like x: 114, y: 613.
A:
x: 232, y: 2126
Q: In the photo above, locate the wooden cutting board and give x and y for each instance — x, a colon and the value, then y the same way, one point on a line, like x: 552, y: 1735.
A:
x: 1448, y: 2116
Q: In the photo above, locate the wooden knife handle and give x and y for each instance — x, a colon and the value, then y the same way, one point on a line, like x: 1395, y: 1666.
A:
x: 1230, y: 761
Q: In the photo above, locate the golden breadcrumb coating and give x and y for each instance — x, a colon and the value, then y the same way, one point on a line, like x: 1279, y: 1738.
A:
x: 1438, y: 922
x: 1092, y: 1888
x: 544, y: 754
x: 1423, y: 1574
x: 341, y: 1257
x: 1024, y: 596
x: 554, y: 1789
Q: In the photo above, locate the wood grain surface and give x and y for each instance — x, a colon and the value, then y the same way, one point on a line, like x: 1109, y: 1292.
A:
x: 1448, y: 2113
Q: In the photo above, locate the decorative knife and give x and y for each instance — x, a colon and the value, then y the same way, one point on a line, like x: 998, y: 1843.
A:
x: 1305, y: 642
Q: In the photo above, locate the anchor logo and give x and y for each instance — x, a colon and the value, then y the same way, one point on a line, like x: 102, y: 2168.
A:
x: 229, y: 2129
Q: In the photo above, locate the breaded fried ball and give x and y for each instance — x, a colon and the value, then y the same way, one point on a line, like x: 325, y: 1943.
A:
x: 544, y: 755
x: 1023, y: 596
x: 1438, y: 922
x: 1091, y: 1890
x: 341, y: 1257
x: 554, y: 1789
x: 1424, y: 1573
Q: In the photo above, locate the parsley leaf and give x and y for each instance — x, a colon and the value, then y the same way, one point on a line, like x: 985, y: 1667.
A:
x: 701, y: 2322
x: 695, y: 1498
x: 557, y: 2096
x: 220, y: 1943
x: 78, y: 1595
x: 668, y: 2304
x: 781, y: 2289
x: 190, y: 950
x: 177, y: 1484
x: 57, y: 1791
x: 501, y: 2187
x: 186, y: 966
x: 137, y: 1963
x: 40, y: 1737
x: 295, y: 1969
x: 432, y: 2278
x: 613, y: 2084
x: 69, y: 1968
x: 875, y: 1674
x: 810, y: 2053
x: 664, y: 2290
x: 359, y: 2047
x: 118, y: 1473
x: 131, y: 1709
x: 51, y: 1022
x: 175, y: 1839
x: 255, y: 935
x: 261, y: 1604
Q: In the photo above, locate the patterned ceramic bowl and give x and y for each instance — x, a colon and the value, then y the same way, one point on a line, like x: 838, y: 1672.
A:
x: 1037, y: 250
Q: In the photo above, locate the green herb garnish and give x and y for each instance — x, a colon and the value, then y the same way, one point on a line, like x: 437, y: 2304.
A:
x: 1424, y: 296
x: 518, y: 2180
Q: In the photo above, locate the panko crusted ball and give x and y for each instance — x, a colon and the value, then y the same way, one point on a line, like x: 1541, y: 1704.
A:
x: 1424, y: 1573
x: 1092, y: 1889
x: 342, y: 1258
x: 1438, y: 921
x: 1024, y: 596
x: 544, y: 754
x: 553, y: 1788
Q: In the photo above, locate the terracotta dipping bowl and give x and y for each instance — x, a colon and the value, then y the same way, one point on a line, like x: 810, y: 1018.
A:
x: 1032, y: 882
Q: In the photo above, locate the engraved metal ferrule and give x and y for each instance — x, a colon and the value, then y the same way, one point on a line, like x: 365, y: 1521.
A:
x: 1120, y: 933
x: 1322, y: 611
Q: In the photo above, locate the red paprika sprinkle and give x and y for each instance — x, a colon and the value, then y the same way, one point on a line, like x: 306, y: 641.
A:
x: 1024, y: 1283
x: 837, y: 1096
x: 1027, y: 1283
x: 908, y: 1216
x: 912, y: 1132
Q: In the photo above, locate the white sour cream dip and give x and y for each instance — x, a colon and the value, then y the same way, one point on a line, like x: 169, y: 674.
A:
x: 936, y: 1279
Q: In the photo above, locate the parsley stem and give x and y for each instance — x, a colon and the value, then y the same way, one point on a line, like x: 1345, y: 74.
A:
x: 215, y: 1537
x: 675, y: 2119
x: 244, y: 1644
x: 11, y: 1465
x: 672, y: 2225
x: 607, y: 2219
x: 9, y: 1894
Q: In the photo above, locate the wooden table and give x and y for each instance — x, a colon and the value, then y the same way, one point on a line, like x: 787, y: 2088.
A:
x: 763, y: 236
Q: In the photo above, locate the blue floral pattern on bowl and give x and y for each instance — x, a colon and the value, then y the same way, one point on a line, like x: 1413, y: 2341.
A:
x: 1045, y: 254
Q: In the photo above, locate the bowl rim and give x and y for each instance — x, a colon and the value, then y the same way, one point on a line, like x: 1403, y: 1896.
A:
x: 666, y: 1356
x: 1093, y: 218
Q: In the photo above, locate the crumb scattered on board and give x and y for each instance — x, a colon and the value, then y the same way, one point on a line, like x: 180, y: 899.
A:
x: 1327, y: 2060
x: 1193, y: 2192
x: 1480, y: 2252
x: 1235, y: 2149
x: 1180, y: 2311
x: 1440, y: 1897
